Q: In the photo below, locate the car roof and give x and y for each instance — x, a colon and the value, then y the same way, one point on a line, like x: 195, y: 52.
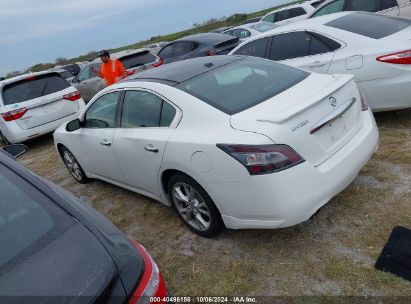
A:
x: 180, y: 71
x: 206, y: 38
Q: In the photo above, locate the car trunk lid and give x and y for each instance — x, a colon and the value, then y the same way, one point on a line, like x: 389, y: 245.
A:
x: 316, y: 123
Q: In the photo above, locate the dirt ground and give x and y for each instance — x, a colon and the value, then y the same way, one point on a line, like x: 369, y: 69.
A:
x: 332, y: 254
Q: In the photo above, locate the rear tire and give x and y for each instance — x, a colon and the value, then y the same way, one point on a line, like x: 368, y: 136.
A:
x: 194, y: 206
x: 73, y: 166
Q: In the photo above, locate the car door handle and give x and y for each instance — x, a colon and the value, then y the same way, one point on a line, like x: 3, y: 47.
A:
x: 317, y: 64
x: 150, y: 148
x: 105, y: 142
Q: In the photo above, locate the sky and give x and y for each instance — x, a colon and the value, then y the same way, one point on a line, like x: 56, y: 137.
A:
x: 35, y: 31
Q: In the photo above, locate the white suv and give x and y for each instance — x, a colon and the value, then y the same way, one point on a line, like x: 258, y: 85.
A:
x: 35, y: 104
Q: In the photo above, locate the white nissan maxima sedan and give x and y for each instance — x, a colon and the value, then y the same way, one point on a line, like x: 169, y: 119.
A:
x: 376, y: 49
x: 232, y: 141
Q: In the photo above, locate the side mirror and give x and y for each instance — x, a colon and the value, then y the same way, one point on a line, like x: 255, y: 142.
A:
x: 73, y: 125
x: 75, y: 80
x: 16, y: 150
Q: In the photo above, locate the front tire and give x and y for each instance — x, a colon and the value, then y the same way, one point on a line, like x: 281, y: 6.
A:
x: 194, y: 206
x: 73, y: 166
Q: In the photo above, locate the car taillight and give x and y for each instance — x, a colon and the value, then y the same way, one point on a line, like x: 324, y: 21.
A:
x: 151, y: 283
x: 211, y: 53
x: 403, y: 57
x: 72, y: 96
x: 14, y: 115
x: 158, y: 63
x: 263, y: 159
x: 131, y: 72
x: 364, y: 104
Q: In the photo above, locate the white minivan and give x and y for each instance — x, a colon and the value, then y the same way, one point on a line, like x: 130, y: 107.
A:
x: 35, y: 104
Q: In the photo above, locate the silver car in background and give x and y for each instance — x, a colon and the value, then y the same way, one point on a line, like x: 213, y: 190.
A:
x: 133, y: 60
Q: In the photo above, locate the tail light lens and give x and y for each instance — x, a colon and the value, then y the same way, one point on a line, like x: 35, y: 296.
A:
x: 72, y: 96
x: 211, y: 53
x: 152, y: 282
x: 158, y: 63
x: 263, y: 159
x: 364, y: 104
x: 14, y: 115
x: 403, y: 57
x: 131, y: 72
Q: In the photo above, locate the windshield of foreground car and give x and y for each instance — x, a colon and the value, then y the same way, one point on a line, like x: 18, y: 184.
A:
x: 243, y: 84
x: 29, y: 221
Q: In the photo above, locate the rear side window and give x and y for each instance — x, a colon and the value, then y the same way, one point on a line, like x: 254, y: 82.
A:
x: 145, y: 110
x: 256, y: 48
x: 138, y: 59
x: 370, y: 25
x: 29, y: 221
x: 290, y: 13
x: 33, y: 87
x: 300, y: 44
x: 363, y: 5
x: 242, y: 84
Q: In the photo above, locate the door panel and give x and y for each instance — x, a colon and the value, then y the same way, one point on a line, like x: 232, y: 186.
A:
x: 94, y: 141
x: 140, y: 141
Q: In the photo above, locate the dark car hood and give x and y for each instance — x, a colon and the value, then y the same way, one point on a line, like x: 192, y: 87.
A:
x: 75, y: 266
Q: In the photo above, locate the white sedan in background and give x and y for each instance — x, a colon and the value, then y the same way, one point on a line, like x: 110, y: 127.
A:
x: 230, y: 141
x: 245, y: 31
x: 291, y: 13
x: 376, y: 49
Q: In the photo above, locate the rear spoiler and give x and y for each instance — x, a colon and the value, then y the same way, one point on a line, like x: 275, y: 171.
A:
x: 278, y: 118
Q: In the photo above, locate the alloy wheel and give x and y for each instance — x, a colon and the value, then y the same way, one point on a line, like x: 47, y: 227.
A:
x: 72, y: 165
x: 191, y: 206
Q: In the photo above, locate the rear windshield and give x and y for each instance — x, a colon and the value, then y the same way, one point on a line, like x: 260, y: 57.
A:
x: 136, y: 60
x: 33, y: 87
x: 263, y: 26
x: 243, y: 84
x: 29, y: 221
x: 370, y: 25
x: 74, y: 69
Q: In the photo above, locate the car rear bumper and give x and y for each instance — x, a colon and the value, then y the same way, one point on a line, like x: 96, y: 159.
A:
x: 15, y: 134
x: 292, y: 196
x: 388, y: 93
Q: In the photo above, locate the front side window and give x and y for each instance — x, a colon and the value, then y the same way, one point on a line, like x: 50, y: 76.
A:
x: 145, y: 110
x: 102, y: 113
x: 182, y: 48
x: 167, y: 52
x: 242, y: 84
x: 29, y: 221
x: 269, y: 18
x: 331, y: 8
x: 256, y: 48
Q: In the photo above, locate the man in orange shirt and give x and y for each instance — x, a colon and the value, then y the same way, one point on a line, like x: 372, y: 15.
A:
x: 111, y: 70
